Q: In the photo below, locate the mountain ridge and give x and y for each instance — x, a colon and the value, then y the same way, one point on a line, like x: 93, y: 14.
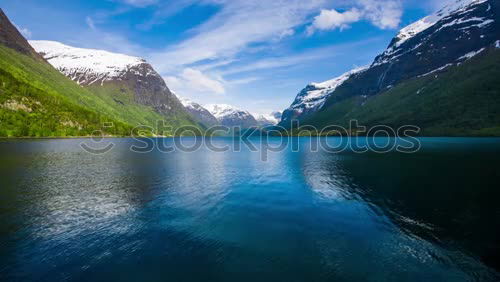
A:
x: 452, y: 36
x: 127, y: 80
x: 199, y: 113
x: 97, y: 68
x: 39, y: 101
x: 231, y: 116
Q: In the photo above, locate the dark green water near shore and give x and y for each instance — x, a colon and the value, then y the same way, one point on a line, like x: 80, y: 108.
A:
x: 68, y: 215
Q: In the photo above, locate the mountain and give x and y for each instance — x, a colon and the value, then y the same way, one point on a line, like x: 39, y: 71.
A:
x: 428, y: 54
x: 126, y: 82
x: 10, y: 37
x: 36, y: 100
x: 231, y: 116
x: 313, y: 97
x: 268, y: 119
x: 199, y: 113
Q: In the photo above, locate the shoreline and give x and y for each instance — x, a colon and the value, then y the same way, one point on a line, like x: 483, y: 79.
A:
x: 129, y: 137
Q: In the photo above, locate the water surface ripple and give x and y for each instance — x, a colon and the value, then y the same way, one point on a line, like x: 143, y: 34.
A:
x: 67, y: 215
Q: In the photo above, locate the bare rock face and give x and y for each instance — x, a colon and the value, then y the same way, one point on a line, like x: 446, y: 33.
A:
x: 97, y: 68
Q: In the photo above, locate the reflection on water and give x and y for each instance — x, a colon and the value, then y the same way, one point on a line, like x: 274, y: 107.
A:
x: 299, y: 216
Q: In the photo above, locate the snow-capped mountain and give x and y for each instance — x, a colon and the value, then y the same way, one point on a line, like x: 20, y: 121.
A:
x: 227, y: 115
x: 456, y: 33
x: 88, y: 66
x: 459, y: 13
x: 312, y: 98
x: 231, y: 116
x: 108, y: 72
x: 268, y: 119
x: 198, y: 112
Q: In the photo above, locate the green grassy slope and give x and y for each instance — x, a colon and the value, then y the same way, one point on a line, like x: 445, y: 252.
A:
x: 37, y: 100
x: 121, y: 99
x: 462, y: 101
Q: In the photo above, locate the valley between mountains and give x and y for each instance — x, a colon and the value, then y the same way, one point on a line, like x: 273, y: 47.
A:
x: 439, y: 73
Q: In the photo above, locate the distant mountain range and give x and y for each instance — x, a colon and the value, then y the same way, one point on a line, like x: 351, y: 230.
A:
x: 439, y: 73
x: 231, y: 116
x: 227, y: 115
x: 107, y: 89
x: 127, y: 80
x: 131, y: 80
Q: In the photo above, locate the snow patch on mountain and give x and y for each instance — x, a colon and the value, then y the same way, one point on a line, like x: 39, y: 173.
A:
x: 481, y: 22
x: 459, y: 7
x: 231, y: 116
x: 437, y: 70
x: 86, y: 66
x: 471, y: 54
x: 313, y: 97
x: 426, y: 22
x: 222, y: 110
x: 189, y: 104
x: 316, y: 95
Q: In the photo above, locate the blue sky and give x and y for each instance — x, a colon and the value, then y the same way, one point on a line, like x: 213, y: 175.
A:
x: 253, y: 54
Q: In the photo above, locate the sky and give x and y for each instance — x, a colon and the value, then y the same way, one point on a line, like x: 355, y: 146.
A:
x: 252, y: 54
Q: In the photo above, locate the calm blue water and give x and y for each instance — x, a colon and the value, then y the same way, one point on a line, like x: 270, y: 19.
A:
x: 205, y: 216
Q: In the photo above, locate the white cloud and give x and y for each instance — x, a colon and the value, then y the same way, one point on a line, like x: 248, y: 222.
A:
x: 196, y: 83
x: 174, y: 83
x: 240, y: 29
x: 202, y: 82
x: 383, y: 14
x: 331, y: 19
x: 193, y: 80
x: 238, y: 24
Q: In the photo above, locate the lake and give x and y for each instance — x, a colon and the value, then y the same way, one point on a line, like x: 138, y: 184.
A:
x: 298, y: 215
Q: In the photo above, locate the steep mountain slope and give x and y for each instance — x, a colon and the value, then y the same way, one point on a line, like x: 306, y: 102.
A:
x: 231, y: 116
x: 10, y: 37
x: 199, y: 113
x: 313, y: 97
x: 462, y: 101
x: 446, y: 41
x: 128, y: 84
x: 36, y: 100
